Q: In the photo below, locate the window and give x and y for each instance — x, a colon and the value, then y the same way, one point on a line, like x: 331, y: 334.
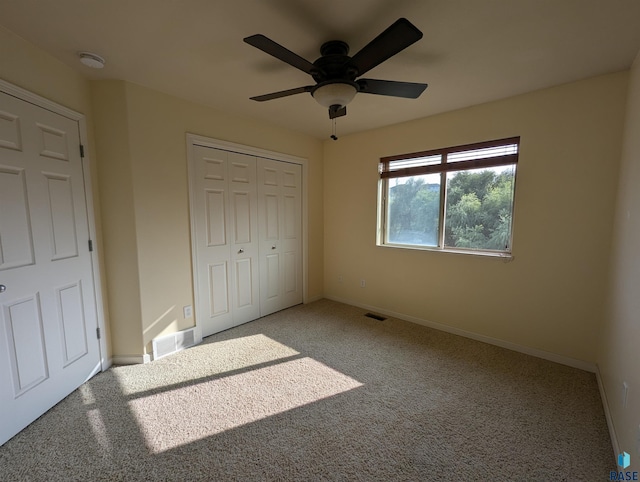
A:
x: 457, y: 198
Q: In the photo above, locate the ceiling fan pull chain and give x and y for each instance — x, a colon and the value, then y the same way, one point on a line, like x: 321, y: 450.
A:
x: 334, y: 130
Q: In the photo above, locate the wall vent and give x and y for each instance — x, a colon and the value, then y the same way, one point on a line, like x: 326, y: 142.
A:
x: 173, y: 343
x: 375, y: 317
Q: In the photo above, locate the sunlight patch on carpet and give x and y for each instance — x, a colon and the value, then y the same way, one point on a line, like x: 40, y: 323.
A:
x: 205, y: 409
x: 202, y: 361
x: 86, y: 394
x: 99, y: 430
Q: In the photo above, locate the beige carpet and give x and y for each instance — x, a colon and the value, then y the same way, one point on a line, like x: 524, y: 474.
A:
x: 321, y: 392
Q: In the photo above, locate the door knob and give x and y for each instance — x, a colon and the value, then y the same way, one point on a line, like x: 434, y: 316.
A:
x: 3, y: 288
x: 273, y: 247
x: 241, y: 251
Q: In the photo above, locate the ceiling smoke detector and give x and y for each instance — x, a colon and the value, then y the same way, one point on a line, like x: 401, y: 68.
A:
x: 91, y: 60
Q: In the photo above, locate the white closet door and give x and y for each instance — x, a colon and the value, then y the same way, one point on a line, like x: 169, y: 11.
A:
x: 48, y: 339
x: 244, y: 237
x: 280, y: 227
x: 225, y: 228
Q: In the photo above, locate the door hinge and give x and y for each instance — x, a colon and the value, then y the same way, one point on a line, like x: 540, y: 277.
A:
x: 90, y: 245
x: 98, y: 332
x: 81, y: 150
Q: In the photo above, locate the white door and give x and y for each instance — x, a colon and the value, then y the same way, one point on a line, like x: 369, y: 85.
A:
x: 48, y: 339
x: 280, y: 227
x: 225, y: 227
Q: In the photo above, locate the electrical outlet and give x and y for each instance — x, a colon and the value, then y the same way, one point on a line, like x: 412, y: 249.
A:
x: 363, y: 283
x: 187, y: 311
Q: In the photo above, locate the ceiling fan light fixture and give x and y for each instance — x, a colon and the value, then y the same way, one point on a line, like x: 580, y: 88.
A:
x: 334, y: 93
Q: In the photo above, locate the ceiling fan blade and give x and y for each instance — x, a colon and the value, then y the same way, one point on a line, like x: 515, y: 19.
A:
x: 394, y: 39
x: 282, y: 93
x: 409, y: 90
x: 337, y: 111
x: 278, y: 51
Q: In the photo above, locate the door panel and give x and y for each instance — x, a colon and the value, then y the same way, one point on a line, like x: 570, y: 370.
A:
x: 269, y: 174
x: 242, y: 217
x: 218, y: 294
x: 272, y: 276
x: 53, y: 142
x: 271, y: 217
x: 27, y: 353
x: 244, y: 275
x: 214, y: 169
x: 290, y: 272
x: 242, y: 172
x: 213, y: 307
x: 61, y: 219
x: 225, y: 202
x: 292, y: 234
x: 215, y: 218
x: 244, y: 248
x: 289, y: 215
x: 48, y: 342
x: 16, y: 243
x: 280, y: 228
x: 72, y: 322
x: 10, y: 135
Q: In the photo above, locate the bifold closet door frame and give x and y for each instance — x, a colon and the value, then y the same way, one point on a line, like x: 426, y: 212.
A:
x: 193, y: 141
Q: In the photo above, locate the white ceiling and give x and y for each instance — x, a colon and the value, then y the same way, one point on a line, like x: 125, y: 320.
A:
x: 473, y: 51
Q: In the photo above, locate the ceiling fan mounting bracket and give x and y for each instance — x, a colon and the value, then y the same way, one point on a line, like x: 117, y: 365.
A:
x: 334, y: 47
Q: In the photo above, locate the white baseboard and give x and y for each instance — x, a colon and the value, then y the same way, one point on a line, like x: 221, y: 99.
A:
x: 607, y: 414
x: 131, y: 359
x: 563, y: 360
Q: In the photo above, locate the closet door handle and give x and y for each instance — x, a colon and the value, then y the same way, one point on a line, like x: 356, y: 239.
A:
x: 273, y: 247
x: 241, y: 251
x: 3, y: 288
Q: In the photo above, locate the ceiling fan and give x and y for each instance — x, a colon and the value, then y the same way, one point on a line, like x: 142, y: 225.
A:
x: 336, y: 73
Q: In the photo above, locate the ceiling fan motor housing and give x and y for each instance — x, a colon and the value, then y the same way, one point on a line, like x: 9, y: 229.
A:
x: 334, y: 64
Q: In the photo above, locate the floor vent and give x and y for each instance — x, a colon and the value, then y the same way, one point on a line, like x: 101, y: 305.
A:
x: 375, y: 317
x: 173, y: 343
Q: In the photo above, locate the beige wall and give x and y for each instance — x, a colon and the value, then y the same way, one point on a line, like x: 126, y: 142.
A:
x: 550, y: 296
x: 118, y: 217
x: 143, y: 158
x: 34, y: 70
x: 619, y: 355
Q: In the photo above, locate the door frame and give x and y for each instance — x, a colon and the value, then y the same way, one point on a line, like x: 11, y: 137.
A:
x: 38, y: 101
x: 197, y: 140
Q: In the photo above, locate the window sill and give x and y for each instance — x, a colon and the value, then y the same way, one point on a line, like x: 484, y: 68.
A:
x: 485, y: 254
